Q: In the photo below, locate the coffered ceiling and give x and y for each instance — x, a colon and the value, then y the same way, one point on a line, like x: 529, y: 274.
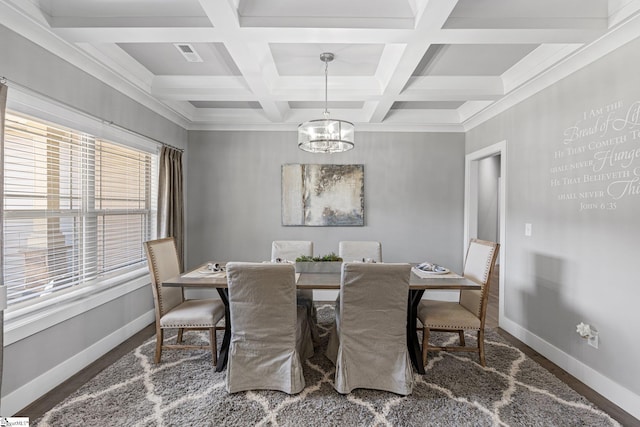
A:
x: 410, y: 64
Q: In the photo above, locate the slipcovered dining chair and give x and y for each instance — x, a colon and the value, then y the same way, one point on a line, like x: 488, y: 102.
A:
x: 468, y: 314
x: 289, y: 250
x: 269, y: 333
x: 368, y: 343
x: 171, y: 309
x: 353, y: 250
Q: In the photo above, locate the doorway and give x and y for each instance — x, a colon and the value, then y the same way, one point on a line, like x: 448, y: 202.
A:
x: 483, y: 217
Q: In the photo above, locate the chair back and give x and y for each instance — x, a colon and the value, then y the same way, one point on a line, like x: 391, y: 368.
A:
x: 478, y: 266
x: 351, y: 251
x: 263, y: 316
x: 373, y: 298
x: 372, y: 330
x: 162, y: 257
x: 291, y: 249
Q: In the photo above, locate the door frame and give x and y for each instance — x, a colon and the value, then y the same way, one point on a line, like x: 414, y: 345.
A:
x: 471, y: 206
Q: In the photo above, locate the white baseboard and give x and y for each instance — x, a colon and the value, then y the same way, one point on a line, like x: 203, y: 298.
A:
x: 36, y: 388
x: 616, y: 393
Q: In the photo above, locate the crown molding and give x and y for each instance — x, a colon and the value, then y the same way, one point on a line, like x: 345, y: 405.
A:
x: 360, y: 127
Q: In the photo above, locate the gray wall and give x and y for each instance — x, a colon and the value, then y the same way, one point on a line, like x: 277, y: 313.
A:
x: 581, y: 262
x: 488, y: 175
x: 413, y: 195
x: 30, y: 66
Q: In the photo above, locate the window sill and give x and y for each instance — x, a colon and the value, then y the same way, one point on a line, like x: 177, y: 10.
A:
x: 24, y: 322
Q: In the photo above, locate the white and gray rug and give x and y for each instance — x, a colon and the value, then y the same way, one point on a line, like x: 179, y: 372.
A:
x: 184, y: 390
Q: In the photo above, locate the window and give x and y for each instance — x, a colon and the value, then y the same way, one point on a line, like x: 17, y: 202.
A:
x: 76, y: 209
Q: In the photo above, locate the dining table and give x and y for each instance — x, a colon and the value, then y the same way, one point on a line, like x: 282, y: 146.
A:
x: 204, y: 277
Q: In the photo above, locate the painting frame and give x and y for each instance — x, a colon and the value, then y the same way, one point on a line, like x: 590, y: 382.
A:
x: 322, y: 195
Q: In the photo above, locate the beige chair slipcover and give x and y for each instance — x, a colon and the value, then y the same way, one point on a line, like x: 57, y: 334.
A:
x: 171, y: 309
x: 470, y: 311
x: 351, y: 251
x: 289, y: 250
x: 368, y: 343
x: 269, y: 332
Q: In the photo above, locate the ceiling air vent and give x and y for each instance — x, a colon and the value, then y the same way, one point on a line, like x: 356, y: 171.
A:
x: 188, y: 52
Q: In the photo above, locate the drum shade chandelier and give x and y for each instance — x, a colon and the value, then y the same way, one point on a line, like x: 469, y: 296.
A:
x: 326, y: 135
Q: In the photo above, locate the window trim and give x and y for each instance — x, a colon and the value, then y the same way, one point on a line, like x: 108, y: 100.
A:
x: 22, y: 322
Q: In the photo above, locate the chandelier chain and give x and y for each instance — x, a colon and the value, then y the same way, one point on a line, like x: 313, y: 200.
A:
x: 326, y: 90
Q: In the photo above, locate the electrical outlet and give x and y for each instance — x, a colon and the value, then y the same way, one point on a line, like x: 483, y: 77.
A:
x: 527, y: 230
x: 593, y: 339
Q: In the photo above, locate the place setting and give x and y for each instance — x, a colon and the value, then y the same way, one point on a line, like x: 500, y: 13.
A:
x: 209, y: 270
x: 429, y: 270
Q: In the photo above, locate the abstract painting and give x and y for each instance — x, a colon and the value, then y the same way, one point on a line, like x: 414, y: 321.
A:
x: 322, y: 195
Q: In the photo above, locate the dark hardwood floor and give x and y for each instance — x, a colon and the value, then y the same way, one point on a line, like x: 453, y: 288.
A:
x: 57, y: 395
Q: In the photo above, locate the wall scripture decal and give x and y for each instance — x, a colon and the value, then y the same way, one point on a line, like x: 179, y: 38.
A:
x: 598, y: 164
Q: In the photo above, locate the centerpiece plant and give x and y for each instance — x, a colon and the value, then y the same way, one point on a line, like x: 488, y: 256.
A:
x: 330, y: 263
x: 332, y: 257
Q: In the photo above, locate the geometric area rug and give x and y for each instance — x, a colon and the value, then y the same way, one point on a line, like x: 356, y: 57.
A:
x: 184, y: 390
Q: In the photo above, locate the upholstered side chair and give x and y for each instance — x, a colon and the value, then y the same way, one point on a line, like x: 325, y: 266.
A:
x: 353, y: 250
x: 368, y: 343
x: 171, y: 309
x: 269, y: 332
x: 468, y: 314
x: 289, y: 250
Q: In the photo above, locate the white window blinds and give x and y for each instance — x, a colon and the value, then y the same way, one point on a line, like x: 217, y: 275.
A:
x: 76, y: 208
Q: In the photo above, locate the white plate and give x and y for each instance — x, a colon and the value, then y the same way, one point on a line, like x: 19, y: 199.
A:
x: 441, y: 270
x: 209, y: 272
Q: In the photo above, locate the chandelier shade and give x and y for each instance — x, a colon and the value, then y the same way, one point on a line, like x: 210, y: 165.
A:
x: 326, y: 135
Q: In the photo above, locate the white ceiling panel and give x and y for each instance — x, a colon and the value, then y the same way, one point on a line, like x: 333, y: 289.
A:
x: 471, y: 59
x: 304, y: 59
x: 121, y: 8
x: 327, y: 13
x: 512, y: 9
x: 319, y: 105
x: 227, y: 104
x: 166, y: 59
x: 426, y: 105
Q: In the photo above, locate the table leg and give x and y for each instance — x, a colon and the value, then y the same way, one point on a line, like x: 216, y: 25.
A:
x: 413, y: 345
x: 224, y: 347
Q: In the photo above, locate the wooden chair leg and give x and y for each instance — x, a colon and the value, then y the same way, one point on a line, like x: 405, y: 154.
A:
x: 461, y: 335
x: 425, y: 345
x: 214, y: 345
x: 481, y: 347
x: 180, y: 332
x: 159, y: 338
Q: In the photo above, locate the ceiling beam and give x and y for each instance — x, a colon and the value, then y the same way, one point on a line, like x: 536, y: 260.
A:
x: 452, y: 88
x: 205, y: 35
x: 120, y: 62
x: 202, y: 88
x: 254, y: 60
x: 433, y: 15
